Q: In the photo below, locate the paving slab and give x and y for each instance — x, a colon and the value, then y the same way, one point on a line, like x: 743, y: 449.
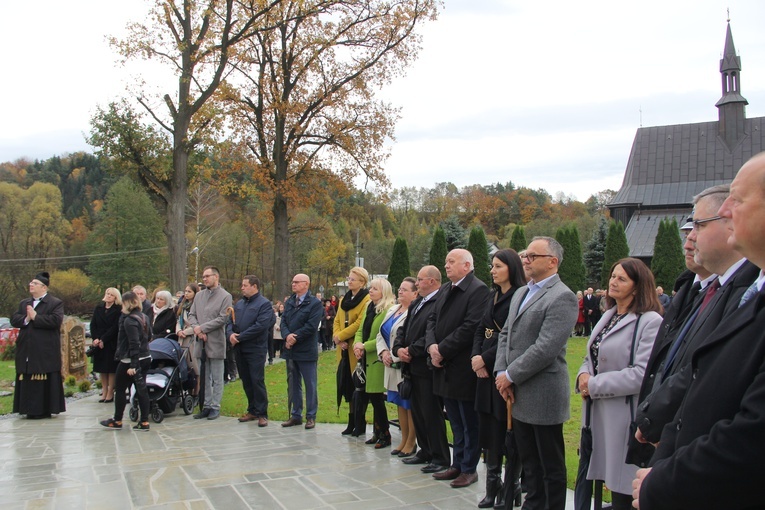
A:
x: 70, y: 461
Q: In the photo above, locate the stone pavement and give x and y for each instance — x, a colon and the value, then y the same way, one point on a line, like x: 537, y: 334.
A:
x: 70, y: 461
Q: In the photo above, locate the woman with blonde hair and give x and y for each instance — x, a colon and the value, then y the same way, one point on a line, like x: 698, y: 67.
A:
x: 135, y: 361
x: 380, y: 300
x: 347, y: 322
x: 394, y: 318
x: 103, y: 329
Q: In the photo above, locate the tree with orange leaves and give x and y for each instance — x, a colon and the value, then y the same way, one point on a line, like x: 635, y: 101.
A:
x: 304, y: 99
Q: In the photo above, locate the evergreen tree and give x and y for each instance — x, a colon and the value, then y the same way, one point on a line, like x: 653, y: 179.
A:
x: 518, y: 239
x: 668, y: 259
x: 455, y: 234
x: 438, y: 251
x: 616, y: 249
x: 399, y: 263
x: 479, y: 248
x: 571, y: 270
x: 595, y: 253
x: 129, y: 230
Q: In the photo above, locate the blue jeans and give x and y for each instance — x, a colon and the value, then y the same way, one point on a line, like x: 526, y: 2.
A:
x: 464, y: 422
x: 251, y: 361
x: 297, y: 373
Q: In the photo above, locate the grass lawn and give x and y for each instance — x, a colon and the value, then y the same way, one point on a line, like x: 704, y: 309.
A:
x: 235, y: 404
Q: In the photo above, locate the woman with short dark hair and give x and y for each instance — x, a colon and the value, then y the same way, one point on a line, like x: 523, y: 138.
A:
x: 609, y: 379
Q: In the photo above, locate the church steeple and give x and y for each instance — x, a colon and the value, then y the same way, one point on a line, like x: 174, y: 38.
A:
x: 731, y: 105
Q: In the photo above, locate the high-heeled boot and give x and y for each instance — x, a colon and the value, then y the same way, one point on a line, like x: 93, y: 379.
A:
x: 493, y: 485
x: 351, y: 423
x: 512, y: 472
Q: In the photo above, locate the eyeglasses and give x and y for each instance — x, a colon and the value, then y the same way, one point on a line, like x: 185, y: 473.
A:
x: 299, y: 281
x: 404, y: 289
x: 697, y: 223
x: 531, y: 257
x: 207, y: 275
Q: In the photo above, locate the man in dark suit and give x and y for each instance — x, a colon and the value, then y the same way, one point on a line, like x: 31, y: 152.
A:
x: 591, y: 311
x: 710, y: 240
x: 300, y: 329
x: 39, y: 390
x: 531, y: 372
x: 459, y: 308
x: 710, y: 455
x: 146, y: 306
x: 409, y: 346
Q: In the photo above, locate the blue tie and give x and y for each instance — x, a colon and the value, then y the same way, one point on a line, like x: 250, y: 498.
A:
x: 751, y: 291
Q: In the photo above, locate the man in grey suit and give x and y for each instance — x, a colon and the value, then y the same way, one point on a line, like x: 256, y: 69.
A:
x: 531, y: 372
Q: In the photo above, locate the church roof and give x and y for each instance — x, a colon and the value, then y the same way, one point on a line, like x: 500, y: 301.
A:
x: 670, y: 164
x: 644, y: 225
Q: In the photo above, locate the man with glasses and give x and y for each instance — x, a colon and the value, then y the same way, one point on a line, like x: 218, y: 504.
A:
x: 207, y: 320
x: 734, y: 274
x: 39, y: 390
x: 531, y: 372
x: 300, y: 330
x: 710, y: 455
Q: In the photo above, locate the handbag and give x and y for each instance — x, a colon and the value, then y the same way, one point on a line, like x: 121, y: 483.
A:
x: 638, y: 453
x: 359, y: 374
x: 405, y: 387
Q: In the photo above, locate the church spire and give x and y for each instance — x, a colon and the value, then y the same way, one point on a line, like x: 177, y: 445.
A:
x: 731, y: 105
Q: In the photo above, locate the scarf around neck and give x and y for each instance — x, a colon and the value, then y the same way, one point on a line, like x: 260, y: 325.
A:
x: 349, y: 301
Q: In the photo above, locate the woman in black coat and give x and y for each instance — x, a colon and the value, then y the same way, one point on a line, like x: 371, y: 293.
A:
x: 507, y: 274
x: 103, y: 329
x: 164, y: 315
x: 135, y: 361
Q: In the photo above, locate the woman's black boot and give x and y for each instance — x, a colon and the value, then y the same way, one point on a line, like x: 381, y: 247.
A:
x: 493, y: 485
x: 349, y: 429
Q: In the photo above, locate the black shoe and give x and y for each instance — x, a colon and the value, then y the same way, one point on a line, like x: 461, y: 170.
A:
x: 415, y: 460
x: 407, y: 454
x: 141, y: 425
x: 204, y: 414
x: 434, y: 468
x: 111, y: 424
x: 383, y: 441
x: 371, y: 440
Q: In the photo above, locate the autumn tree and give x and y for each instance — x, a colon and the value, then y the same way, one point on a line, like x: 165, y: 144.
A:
x: 194, y: 40
x: 479, y: 248
x: 616, y: 249
x: 305, y: 99
x: 668, y: 260
x: 438, y: 251
x: 399, y: 263
x: 32, y: 231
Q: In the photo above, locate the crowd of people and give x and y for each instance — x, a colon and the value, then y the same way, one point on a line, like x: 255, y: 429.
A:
x: 671, y: 388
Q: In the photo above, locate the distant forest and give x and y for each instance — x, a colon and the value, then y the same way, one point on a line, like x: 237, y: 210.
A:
x: 94, y: 227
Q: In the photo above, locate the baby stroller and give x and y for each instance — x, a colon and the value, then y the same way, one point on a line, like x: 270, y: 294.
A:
x: 167, y: 381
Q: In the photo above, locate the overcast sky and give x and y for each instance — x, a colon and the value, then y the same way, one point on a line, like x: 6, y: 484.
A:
x: 543, y: 94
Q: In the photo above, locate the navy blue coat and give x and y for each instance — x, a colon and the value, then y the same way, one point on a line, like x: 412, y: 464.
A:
x: 303, y: 321
x: 254, y: 320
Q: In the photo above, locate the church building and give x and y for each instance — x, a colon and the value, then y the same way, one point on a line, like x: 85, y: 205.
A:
x: 668, y: 165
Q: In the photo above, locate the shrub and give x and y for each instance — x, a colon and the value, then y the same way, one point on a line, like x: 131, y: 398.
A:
x: 70, y: 381
x: 68, y: 392
x: 84, y: 386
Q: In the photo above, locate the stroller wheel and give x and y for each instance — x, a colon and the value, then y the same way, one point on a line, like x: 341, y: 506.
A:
x: 157, y: 415
x: 133, y: 413
x: 188, y: 404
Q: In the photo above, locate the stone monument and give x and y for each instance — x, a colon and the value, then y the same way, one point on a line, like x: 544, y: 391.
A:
x: 73, y: 359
